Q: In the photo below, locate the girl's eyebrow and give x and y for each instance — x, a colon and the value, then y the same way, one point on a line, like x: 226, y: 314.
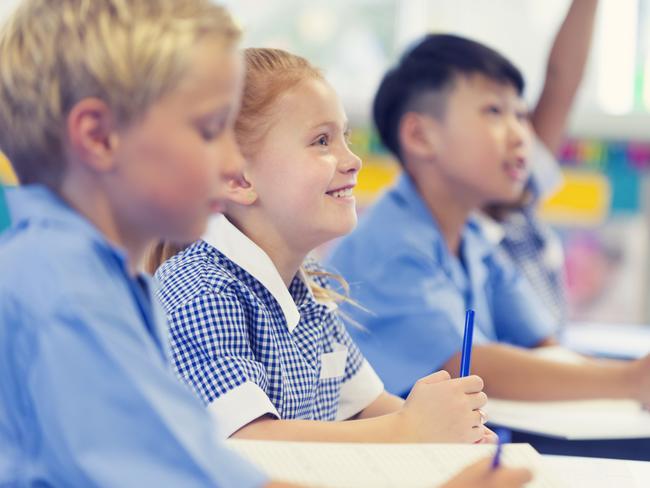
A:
x: 332, y: 125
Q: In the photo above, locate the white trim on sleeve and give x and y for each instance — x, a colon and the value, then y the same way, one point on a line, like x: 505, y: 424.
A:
x: 359, y: 392
x: 239, y: 407
x: 546, y: 173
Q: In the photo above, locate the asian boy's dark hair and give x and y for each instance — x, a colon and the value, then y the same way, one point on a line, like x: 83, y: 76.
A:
x: 429, y: 69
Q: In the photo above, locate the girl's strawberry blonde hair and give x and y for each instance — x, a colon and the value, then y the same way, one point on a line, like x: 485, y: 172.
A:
x: 269, y: 74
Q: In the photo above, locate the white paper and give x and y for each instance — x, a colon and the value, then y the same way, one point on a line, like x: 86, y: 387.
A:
x: 599, y: 473
x: 381, y: 465
x: 575, y: 420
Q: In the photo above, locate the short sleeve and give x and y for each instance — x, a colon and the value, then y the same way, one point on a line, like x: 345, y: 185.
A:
x: 546, y: 176
x: 414, y: 319
x: 115, y: 415
x: 212, y: 352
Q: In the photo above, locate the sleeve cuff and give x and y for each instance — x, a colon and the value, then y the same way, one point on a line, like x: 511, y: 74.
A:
x: 546, y: 174
x: 359, y: 392
x: 239, y: 407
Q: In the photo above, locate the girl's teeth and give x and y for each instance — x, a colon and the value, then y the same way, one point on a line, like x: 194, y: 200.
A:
x: 342, y: 193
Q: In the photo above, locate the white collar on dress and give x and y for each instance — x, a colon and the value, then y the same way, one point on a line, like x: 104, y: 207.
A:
x: 236, y: 246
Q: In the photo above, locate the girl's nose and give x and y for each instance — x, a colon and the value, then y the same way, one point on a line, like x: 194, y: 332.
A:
x: 350, y: 163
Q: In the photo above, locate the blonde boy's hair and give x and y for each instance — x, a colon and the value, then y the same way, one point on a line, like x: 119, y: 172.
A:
x: 54, y: 53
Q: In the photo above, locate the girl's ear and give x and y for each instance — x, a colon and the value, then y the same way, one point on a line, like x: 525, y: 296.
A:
x: 419, y: 136
x: 241, y: 191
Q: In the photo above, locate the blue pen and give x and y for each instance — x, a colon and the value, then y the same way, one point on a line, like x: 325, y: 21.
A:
x: 466, y: 354
x: 504, y: 438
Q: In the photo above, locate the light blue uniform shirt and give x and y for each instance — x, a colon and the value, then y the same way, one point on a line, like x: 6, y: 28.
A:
x: 399, y: 268
x: 87, y: 396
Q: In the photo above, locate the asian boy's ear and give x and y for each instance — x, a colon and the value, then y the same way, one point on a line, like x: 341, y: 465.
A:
x: 419, y: 136
x: 241, y: 191
x: 92, y: 134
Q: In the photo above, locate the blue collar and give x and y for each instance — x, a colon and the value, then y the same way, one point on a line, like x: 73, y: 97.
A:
x: 474, y: 245
x: 37, y: 204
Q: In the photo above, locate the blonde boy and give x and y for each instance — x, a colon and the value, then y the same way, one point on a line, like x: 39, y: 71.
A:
x: 117, y: 116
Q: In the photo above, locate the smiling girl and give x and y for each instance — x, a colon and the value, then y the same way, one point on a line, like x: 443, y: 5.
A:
x: 254, y: 327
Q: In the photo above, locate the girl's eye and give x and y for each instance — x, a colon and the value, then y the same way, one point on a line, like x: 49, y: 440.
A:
x: 322, y: 140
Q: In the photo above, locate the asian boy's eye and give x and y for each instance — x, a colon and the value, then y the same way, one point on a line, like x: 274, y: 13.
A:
x: 493, y: 109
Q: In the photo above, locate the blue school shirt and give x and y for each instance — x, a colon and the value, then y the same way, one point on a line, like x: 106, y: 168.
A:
x: 87, y: 394
x: 250, y: 346
x: 416, y: 292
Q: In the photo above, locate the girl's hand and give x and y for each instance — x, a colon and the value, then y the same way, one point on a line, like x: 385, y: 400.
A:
x: 489, y: 437
x: 440, y: 409
x: 481, y: 475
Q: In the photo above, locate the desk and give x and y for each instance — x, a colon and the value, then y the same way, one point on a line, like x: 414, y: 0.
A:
x: 629, y: 449
x: 617, y: 429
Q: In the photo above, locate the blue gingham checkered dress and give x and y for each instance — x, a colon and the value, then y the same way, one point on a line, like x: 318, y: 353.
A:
x: 226, y: 329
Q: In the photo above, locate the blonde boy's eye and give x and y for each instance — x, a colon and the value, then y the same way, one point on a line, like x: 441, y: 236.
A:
x: 212, y: 132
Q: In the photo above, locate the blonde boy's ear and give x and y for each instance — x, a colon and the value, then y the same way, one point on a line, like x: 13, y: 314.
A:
x: 418, y: 136
x: 92, y: 135
x: 241, y: 191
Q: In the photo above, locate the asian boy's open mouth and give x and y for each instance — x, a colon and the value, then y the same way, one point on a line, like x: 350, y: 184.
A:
x: 517, y: 169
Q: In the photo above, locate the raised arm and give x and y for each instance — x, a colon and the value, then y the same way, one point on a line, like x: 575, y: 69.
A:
x: 564, y: 71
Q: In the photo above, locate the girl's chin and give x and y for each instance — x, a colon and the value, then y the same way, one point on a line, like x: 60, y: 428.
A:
x: 341, y: 229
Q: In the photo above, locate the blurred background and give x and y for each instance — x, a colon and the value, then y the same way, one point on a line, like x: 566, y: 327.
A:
x: 602, y: 212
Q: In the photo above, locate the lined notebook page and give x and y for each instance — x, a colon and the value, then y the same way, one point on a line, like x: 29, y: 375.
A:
x: 380, y: 465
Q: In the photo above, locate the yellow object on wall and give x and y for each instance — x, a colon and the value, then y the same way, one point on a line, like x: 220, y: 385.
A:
x: 376, y: 175
x: 7, y: 175
x: 583, y: 199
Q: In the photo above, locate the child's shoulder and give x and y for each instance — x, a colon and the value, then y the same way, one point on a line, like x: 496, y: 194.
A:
x: 45, y: 267
x: 199, y: 269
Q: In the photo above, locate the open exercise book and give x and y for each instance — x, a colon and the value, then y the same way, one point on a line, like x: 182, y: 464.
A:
x: 381, y: 465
